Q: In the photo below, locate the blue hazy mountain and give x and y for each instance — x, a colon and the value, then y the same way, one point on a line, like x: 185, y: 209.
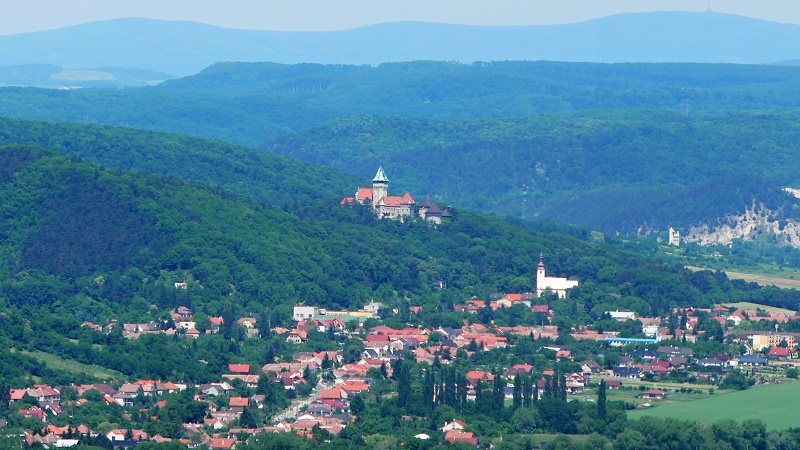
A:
x: 181, y: 48
x: 52, y: 76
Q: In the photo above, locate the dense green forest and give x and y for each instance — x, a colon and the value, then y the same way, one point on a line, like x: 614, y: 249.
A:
x: 616, y: 147
x: 264, y: 177
x: 614, y: 171
x: 247, y: 103
x: 80, y: 242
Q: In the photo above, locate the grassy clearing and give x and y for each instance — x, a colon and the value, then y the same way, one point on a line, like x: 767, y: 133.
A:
x: 546, y: 438
x: 57, y: 362
x: 770, y: 309
x: 771, y: 403
x: 631, y: 389
x: 779, y: 280
x: 764, y: 276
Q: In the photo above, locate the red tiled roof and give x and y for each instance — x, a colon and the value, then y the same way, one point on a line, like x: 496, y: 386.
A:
x: 239, y: 402
x: 332, y: 394
x: 222, y: 443
x: 364, y: 193
x: 779, y: 352
x: 460, y: 436
x: 391, y: 200
x: 239, y: 368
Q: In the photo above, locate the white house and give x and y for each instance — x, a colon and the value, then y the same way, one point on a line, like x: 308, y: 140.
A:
x: 303, y: 313
x: 453, y: 425
x: 622, y: 315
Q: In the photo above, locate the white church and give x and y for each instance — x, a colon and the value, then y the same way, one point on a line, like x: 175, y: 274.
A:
x: 557, y: 285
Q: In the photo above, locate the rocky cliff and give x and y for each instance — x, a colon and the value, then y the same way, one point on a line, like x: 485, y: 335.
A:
x: 757, y: 222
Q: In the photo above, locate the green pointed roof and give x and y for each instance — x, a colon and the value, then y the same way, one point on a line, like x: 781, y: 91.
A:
x: 380, y: 176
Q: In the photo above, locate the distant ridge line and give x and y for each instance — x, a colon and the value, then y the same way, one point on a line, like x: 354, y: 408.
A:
x: 183, y: 47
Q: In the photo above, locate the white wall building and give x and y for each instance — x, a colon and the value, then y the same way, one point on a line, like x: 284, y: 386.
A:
x: 303, y: 313
x: 556, y: 285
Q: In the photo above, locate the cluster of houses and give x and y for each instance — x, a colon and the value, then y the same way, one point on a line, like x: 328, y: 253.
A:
x: 326, y: 409
x: 328, y: 406
x: 778, y: 344
x: 183, y: 320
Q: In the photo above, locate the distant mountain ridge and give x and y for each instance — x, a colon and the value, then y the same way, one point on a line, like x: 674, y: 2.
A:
x: 247, y: 103
x: 182, y: 48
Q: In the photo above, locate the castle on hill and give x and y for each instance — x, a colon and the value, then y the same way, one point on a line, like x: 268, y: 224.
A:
x: 395, y: 207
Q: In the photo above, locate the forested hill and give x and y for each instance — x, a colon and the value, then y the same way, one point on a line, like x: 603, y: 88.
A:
x: 92, y: 243
x: 614, y: 171
x: 264, y: 177
x: 182, y: 48
x: 247, y: 103
x: 82, y: 243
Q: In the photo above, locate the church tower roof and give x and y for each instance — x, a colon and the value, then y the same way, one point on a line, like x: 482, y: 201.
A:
x: 541, y: 259
x: 380, y: 176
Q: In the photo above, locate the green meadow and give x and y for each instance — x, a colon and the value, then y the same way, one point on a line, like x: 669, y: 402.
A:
x: 774, y: 404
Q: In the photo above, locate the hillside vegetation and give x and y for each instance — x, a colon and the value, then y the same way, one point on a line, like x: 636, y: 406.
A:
x: 80, y: 242
x: 246, y: 103
x: 264, y: 177
x: 616, y: 171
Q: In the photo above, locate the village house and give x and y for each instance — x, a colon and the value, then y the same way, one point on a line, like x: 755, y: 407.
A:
x: 576, y: 382
x: 622, y: 315
x: 453, y: 425
x: 297, y: 336
x: 461, y: 436
x: 654, y: 394
x: 781, y: 352
x: 239, y: 368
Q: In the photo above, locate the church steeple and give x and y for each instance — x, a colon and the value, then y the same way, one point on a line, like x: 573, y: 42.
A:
x: 540, y: 275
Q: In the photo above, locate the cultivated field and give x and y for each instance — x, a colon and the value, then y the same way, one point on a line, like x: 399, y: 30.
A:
x: 766, y: 280
x: 787, y: 279
x: 56, y: 362
x: 770, y: 309
x: 775, y: 404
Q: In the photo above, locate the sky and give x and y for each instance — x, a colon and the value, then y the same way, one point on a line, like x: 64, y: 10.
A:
x: 20, y: 16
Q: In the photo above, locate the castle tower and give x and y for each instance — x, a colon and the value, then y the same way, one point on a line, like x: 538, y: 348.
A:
x: 380, y: 186
x: 540, y: 276
x: 674, y: 237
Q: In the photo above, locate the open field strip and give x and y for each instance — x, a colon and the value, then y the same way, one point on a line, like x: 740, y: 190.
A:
x: 57, y: 362
x: 781, y: 280
x: 774, y: 404
x: 769, y: 309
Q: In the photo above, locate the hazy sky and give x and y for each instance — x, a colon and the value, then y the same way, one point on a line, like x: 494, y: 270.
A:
x: 19, y: 16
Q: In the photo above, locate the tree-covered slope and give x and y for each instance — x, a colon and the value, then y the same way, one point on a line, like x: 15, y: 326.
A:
x: 68, y: 224
x: 79, y: 242
x: 268, y: 178
x: 613, y: 171
x: 97, y: 241
x: 247, y: 103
